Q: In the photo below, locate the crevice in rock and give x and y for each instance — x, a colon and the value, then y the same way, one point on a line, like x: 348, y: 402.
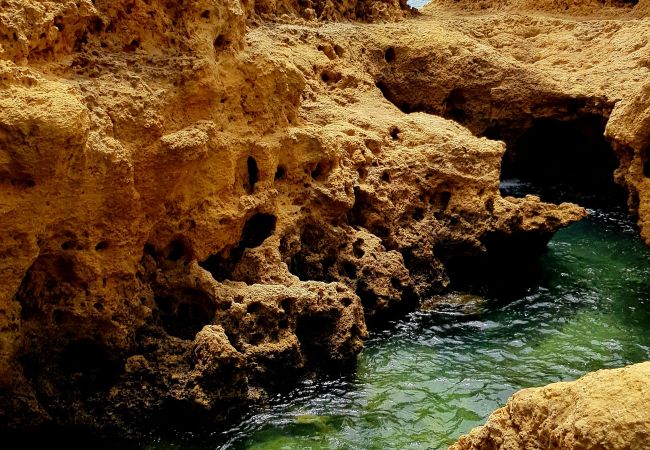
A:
x: 256, y: 230
x: 253, y: 173
x: 389, y: 55
x: 314, y: 332
x: 185, y: 313
x: 280, y: 173
x: 321, y: 170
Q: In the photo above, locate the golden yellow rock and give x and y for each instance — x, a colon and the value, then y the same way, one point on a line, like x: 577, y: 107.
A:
x: 193, y: 190
x: 604, y: 409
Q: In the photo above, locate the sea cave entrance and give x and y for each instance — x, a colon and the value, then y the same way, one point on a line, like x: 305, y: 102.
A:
x: 562, y: 159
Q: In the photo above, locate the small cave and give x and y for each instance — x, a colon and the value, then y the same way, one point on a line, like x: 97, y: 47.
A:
x: 331, y: 76
x: 313, y: 333
x: 559, y: 159
x: 563, y: 160
x: 403, y: 97
x: 90, y: 364
x: 176, y: 250
x: 221, y: 42
x: 184, y: 314
x: 389, y: 55
x: 322, y: 170
x: 646, y: 164
x: 280, y: 173
x: 253, y: 173
x: 256, y: 230
x: 455, y: 106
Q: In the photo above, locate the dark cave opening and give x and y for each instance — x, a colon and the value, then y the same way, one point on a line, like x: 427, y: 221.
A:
x: 253, y: 175
x: 184, y: 314
x: 256, y: 230
x: 563, y: 160
x: 558, y: 159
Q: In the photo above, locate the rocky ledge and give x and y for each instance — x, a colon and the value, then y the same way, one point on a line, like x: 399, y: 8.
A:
x: 203, y: 201
x: 602, y: 410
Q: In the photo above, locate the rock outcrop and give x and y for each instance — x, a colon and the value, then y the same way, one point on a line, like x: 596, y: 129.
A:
x: 197, y: 197
x: 604, y: 409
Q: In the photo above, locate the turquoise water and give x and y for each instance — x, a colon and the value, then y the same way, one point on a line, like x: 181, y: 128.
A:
x: 434, y: 375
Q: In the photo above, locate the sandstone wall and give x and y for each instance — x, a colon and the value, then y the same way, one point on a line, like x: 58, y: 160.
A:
x: 202, y: 201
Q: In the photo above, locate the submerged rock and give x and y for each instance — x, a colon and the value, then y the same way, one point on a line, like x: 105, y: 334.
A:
x: 604, y: 409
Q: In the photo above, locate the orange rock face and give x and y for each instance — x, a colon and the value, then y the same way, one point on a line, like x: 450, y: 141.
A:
x: 201, y: 201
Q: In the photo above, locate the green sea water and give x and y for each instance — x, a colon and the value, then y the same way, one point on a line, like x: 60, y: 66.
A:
x: 433, y: 375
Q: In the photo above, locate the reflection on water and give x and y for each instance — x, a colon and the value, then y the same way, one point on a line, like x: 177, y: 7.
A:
x: 441, y: 371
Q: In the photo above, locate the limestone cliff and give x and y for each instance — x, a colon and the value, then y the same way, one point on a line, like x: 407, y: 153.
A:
x: 202, y: 201
x: 604, y: 409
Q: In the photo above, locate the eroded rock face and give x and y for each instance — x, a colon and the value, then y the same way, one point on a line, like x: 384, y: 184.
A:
x: 193, y: 204
x: 604, y: 409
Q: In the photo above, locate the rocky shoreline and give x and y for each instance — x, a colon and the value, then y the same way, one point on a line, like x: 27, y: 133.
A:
x: 205, y: 201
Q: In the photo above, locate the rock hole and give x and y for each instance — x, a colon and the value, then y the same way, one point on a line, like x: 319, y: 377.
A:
x: 346, y: 301
x: 348, y: 269
x: 150, y: 250
x: 91, y: 362
x: 314, y: 333
x: 176, y: 250
x: 356, y: 248
x: 322, y: 169
x: 253, y: 174
x: 489, y: 205
x: 205, y: 14
x: 97, y: 25
x: 221, y: 42
x: 339, y: 50
x: 253, y: 307
x: 441, y: 200
x: 330, y: 77
x: 184, y: 314
x: 394, y: 133
x: 455, y: 106
x: 280, y: 173
x: 286, y: 304
x: 101, y: 246
x: 646, y: 165
x: 69, y: 245
x: 257, y: 229
x: 389, y: 55
x: 133, y: 46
